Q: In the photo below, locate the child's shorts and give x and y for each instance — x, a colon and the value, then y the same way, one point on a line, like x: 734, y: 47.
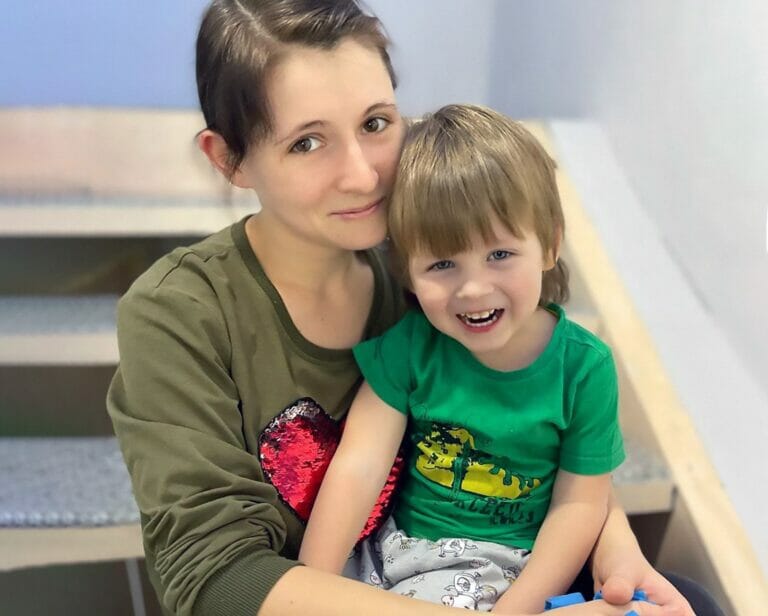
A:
x: 456, y: 572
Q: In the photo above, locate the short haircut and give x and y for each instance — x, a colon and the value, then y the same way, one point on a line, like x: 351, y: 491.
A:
x: 462, y: 167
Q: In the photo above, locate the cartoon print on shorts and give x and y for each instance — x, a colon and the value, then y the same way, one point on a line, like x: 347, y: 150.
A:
x: 467, y: 593
x: 453, y: 547
x: 479, y: 563
x: 512, y: 572
x: 448, y: 457
x: 405, y: 541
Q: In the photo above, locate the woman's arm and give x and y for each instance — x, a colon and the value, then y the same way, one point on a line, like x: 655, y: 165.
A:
x: 303, y: 591
x: 619, y: 567
x: 355, y: 477
x: 209, y: 521
x: 575, y: 517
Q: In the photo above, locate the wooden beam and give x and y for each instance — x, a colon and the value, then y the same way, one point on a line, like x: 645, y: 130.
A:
x: 710, y: 516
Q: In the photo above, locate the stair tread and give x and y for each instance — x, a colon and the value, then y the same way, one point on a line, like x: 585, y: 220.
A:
x: 64, y: 481
x: 82, y: 481
x: 58, y: 330
x: 92, y: 216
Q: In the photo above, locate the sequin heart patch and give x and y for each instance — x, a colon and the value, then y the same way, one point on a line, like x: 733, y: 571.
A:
x: 295, y: 450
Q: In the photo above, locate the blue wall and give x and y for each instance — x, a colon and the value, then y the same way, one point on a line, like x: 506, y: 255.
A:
x: 141, y: 53
x: 90, y: 52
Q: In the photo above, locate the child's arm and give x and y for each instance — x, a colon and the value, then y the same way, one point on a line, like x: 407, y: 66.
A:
x: 353, y: 482
x: 576, y: 515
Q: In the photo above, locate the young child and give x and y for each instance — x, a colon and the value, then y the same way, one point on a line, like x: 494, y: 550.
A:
x: 510, y: 408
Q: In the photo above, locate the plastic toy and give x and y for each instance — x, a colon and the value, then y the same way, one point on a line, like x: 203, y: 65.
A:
x: 563, y: 600
x: 576, y: 597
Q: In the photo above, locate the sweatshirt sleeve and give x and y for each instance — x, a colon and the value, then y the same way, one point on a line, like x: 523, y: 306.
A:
x: 212, y: 534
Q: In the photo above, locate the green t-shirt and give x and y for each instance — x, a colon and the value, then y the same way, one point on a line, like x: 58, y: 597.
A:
x: 486, y: 445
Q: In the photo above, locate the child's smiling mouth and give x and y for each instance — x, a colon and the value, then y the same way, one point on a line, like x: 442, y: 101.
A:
x: 480, y: 319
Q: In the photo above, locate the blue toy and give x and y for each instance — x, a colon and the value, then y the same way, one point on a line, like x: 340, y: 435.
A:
x: 576, y: 597
x: 563, y: 600
x: 639, y: 595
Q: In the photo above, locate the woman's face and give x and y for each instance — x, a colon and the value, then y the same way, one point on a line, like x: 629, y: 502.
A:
x: 325, y: 173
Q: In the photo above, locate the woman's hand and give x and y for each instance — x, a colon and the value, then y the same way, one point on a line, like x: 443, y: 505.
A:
x: 603, y: 608
x: 619, y: 567
x: 618, y: 583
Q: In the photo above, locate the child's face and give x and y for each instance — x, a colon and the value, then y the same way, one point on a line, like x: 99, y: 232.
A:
x: 485, y: 297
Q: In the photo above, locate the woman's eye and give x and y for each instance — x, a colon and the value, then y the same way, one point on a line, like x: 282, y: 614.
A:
x: 499, y: 255
x: 305, y: 144
x: 440, y: 265
x: 375, y: 125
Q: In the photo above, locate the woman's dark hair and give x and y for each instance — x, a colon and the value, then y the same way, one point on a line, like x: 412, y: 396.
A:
x: 241, y: 41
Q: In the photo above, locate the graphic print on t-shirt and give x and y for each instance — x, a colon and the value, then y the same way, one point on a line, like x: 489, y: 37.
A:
x: 447, y: 456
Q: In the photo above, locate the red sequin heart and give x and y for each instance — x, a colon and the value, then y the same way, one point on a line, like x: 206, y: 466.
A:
x: 295, y: 450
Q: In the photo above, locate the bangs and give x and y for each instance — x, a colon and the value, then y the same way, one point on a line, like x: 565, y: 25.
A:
x: 445, y: 209
x: 463, y: 169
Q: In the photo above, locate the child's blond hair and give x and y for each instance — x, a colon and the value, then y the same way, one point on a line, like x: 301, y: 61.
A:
x: 462, y: 167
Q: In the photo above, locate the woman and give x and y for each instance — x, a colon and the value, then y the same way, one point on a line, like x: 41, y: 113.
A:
x: 235, y: 352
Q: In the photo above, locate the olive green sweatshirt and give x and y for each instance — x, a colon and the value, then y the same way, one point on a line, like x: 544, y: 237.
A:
x: 208, y: 358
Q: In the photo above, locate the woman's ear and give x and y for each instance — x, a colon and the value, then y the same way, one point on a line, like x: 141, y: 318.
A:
x: 214, y: 147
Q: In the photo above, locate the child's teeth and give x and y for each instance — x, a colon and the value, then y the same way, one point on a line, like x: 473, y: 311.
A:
x: 478, y: 315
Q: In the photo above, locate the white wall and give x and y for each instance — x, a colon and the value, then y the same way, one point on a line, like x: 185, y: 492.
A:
x: 91, y: 52
x: 442, y: 50
x: 681, y: 91
x: 698, y: 149
x: 141, y: 53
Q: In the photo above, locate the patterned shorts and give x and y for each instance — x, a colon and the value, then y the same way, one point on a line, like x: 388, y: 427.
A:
x: 456, y: 572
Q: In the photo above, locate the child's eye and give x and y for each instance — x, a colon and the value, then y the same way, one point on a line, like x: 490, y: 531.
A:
x: 499, y: 255
x: 305, y: 144
x: 375, y: 125
x: 440, y: 265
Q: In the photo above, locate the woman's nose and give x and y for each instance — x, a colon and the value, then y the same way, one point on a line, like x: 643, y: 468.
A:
x: 357, y: 173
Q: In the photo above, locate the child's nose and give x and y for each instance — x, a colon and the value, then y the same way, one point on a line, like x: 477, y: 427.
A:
x: 475, y: 286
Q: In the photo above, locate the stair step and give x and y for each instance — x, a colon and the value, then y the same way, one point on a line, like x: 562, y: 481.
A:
x: 58, y: 330
x: 64, y: 481
x: 114, y: 217
x: 65, y: 500
x: 643, y: 483
x: 70, y: 500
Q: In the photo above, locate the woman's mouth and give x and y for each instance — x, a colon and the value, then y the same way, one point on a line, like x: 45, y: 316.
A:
x: 481, y: 320
x: 361, y: 212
